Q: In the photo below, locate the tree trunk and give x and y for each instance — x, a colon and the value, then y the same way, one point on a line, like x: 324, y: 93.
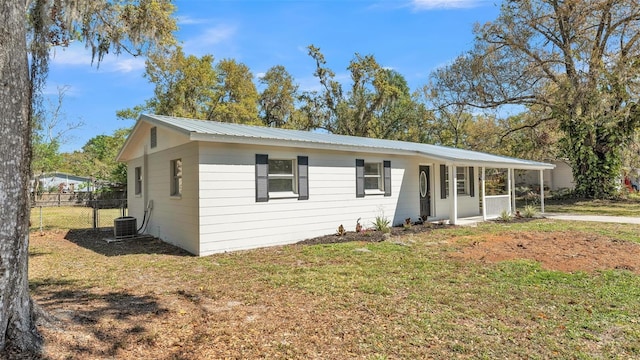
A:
x: 17, y: 326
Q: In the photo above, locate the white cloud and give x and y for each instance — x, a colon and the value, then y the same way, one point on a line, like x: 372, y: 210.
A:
x: 71, y: 56
x: 445, y: 4
x: 208, y: 37
x: 308, y: 83
x: 53, y: 89
x: 125, y: 65
x: 187, y: 20
x: 76, y: 55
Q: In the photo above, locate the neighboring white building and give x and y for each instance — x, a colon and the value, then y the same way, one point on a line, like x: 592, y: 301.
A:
x: 63, y: 182
x: 211, y: 187
x: 558, y: 178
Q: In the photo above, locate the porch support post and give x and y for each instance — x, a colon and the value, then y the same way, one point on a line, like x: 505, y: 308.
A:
x: 453, y: 195
x: 484, y: 198
x: 542, y: 191
x: 512, y: 190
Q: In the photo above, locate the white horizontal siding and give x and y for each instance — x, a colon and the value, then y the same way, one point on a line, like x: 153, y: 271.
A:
x: 218, y: 212
x: 230, y: 218
x: 174, y: 220
x: 135, y: 203
x: 467, y: 205
x: 140, y: 141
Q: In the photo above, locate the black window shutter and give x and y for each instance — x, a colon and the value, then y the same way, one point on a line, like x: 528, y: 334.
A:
x: 387, y: 177
x: 472, y: 184
x: 262, y: 178
x: 303, y: 178
x: 443, y: 182
x: 359, y: 178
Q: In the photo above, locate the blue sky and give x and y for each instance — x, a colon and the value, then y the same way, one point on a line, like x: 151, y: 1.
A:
x: 413, y: 37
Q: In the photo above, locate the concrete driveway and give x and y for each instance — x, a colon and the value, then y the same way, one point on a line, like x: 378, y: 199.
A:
x: 596, y: 218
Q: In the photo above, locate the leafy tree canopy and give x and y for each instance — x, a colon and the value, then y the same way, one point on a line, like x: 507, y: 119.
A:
x: 574, y: 63
x: 378, y: 104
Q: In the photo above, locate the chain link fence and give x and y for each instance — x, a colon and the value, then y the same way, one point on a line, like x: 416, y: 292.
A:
x: 76, y: 211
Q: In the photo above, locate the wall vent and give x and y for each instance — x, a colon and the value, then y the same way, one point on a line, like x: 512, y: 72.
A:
x: 125, y: 227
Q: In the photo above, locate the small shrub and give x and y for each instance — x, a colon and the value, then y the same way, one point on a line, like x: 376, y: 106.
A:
x: 358, y: 226
x: 407, y: 224
x: 529, y: 211
x: 382, y: 224
x: 504, y: 216
x: 341, y: 231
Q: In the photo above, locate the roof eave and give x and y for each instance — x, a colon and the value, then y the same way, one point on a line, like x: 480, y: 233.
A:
x: 195, y: 136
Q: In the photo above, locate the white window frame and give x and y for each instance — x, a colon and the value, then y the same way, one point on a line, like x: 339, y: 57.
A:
x: 138, y: 180
x: 460, y: 180
x: 380, y: 176
x: 177, y: 168
x: 293, y: 177
x: 462, y: 176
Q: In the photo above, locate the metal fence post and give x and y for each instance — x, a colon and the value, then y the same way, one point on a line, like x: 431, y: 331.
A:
x: 95, y: 214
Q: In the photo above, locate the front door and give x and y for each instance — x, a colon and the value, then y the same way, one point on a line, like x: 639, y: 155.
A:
x: 425, y: 192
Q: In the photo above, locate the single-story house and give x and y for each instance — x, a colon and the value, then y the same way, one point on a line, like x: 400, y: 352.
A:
x: 211, y: 187
x: 63, y: 182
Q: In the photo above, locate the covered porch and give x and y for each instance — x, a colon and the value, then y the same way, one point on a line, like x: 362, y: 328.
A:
x: 494, y: 204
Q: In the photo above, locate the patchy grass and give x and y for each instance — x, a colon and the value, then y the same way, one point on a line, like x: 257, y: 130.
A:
x: 404, y: 298
x: 70, y: 217
x: 629, y: 207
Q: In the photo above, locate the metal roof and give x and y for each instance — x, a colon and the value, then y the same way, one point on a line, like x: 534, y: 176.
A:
x: 206, y: 130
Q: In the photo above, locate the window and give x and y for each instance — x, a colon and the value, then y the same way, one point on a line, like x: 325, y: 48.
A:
x: 373, y: 178
x: 281, y: 178
x: 464, y: 181
x: 176, y: 177
x: 154, y: 137
x: 138, y: 180
x: 462, y: 173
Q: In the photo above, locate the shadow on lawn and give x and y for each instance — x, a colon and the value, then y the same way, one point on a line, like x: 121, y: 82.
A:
x: 92, y: 324
x: 96, y: 242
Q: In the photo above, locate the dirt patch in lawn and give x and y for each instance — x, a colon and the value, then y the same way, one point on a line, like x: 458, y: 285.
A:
x: 564, y: 251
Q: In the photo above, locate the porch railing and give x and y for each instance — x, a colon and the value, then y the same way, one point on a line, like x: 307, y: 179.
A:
x: 496, y: 204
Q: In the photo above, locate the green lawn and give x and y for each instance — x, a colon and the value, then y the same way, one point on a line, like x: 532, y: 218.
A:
x: 629, y: 207
x: 352, y: 300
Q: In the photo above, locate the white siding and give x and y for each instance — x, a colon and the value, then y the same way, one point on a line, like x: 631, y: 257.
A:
x: 231, y: 219
x: 172, y: 219
x: 218, y: 211
x: 135, y: 203
x: 559, y: 178
x: 141, y: 141
x: 467, y: 205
